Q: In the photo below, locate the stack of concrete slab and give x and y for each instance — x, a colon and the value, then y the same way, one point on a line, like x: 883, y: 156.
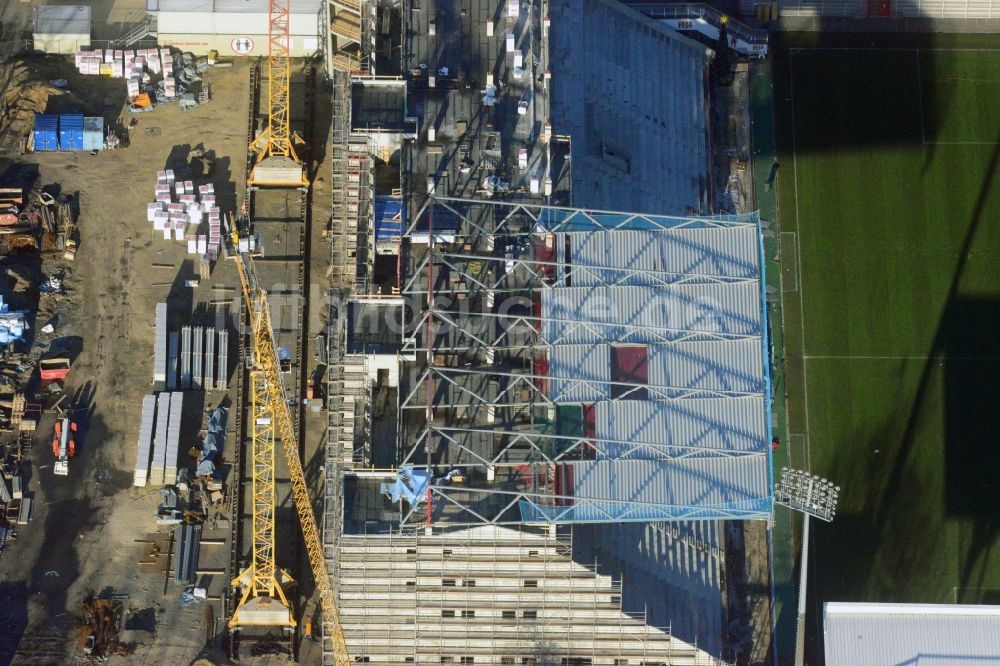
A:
x: 173, y: 437
x: 144, y: 447
x: 160, y: 347
x: 159, y: 456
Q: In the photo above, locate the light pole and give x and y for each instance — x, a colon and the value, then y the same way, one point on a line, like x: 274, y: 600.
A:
x: 813, y: 496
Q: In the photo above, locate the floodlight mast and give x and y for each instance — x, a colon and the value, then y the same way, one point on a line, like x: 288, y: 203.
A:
x: 813, y: 496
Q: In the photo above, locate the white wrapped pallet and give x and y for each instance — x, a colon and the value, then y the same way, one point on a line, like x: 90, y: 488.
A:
x: 202, y: 244
x: 160, y: 220
x: 168, y: 232
x: 152, y: 209
x: 192, y: 245
x: 170, y: 176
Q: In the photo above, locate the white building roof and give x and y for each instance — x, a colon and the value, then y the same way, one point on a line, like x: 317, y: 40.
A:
x: 860, y: 634
x: 62, y: 20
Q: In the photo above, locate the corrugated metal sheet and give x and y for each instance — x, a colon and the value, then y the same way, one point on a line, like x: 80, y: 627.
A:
x: 591, y: 362
x: 729, y: 365
x: 687, y: 482
x: 727, y: 308
x: 719, y: 252
x: 62, y: 20
x: 726, y: 424
x: 856, y: 634
x: 665, y: 489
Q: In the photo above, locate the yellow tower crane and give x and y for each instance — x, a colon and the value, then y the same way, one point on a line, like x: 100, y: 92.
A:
x: 263, y: 601
x: 277, y: 163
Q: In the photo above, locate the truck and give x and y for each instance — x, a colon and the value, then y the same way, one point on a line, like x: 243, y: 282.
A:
x: 63, y: 445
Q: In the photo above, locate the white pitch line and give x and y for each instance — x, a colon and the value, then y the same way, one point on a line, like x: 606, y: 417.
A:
x: 943, y: 357
x: 798, y: 256
x: 884, y: 48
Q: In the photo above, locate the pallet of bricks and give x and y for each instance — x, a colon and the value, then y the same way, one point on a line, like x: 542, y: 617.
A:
x: 178, y: 206
x: 136, y: 66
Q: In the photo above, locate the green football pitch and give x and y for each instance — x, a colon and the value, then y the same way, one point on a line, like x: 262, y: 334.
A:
x: 889, y: 195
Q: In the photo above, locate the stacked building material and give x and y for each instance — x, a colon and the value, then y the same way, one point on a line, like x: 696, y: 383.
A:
x: 160, y: 346
x: 186, y: 358
x: 179, y: 207
x: 144, y: 447
x: 222, y: 376
x: 173, y: 352
x: 173, y: 437
x: 197, y: 337
x: 186, y: 553
x: 159, y: 455
x: 208, y: 381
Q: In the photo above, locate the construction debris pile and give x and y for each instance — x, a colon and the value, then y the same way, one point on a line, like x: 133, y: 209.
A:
x: 98, y: 628
x: 15, y: 504
x: 34, y: 220
x: 178, y: 206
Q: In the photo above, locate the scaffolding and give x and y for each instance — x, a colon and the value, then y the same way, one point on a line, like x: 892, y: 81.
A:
x: 490, y: 595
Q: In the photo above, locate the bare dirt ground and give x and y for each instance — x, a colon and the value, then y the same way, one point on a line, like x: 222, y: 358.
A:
x: 83, y: 533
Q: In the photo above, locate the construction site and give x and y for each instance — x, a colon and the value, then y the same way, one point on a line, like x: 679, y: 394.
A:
x: 379, y: 332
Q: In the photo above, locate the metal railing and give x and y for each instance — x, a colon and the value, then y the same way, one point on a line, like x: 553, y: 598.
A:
x: 697, y: 10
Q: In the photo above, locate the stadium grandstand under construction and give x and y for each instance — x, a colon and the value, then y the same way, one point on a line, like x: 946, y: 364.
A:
x: 513, y: 366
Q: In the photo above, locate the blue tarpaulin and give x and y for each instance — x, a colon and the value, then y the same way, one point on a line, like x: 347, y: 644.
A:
x: 410, y: 484
x: 390, y: 214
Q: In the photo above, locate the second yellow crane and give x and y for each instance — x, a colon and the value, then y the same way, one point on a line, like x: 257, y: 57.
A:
x: 263, y: 601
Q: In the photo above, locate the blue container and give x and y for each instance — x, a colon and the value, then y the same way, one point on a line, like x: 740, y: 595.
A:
x: 71, y: 131
x: 46, y: 132
x: 93, y: 133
